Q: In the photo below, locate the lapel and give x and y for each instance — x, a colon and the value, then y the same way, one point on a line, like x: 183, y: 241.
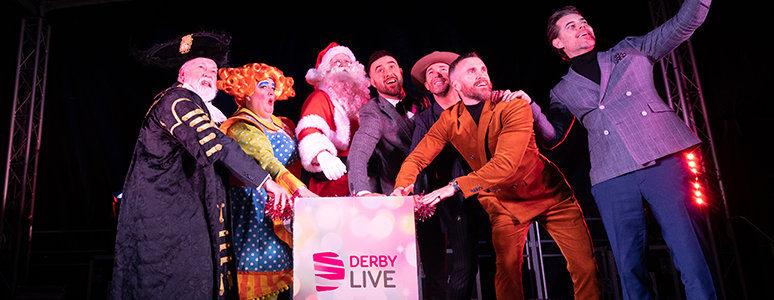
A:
x: 467, y: 138
x: 466, y: 127
x: 584, y: 83
x: 389, y: 110
x: 605, y: 69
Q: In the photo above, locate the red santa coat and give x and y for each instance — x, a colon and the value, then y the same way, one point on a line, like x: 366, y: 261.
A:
x: 324, y: 126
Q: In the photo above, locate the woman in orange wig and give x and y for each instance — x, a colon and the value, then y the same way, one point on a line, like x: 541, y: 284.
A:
x: 263, y: 247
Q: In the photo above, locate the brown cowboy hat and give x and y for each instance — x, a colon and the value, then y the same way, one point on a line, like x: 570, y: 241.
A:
x: 418, y: 71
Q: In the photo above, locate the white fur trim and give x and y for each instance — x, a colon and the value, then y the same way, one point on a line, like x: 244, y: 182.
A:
x: 313, y: 121
x: 310, y: 146
x: 326, y: 60
x: 312, y: 76
x: 340, y: 137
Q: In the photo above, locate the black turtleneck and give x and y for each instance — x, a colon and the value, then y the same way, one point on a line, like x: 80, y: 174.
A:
x: 475, y: 110
x: 586, y: 64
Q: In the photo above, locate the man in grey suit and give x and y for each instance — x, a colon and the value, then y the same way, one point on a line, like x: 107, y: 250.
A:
x: 635, y: 143
x: 378, y: 149
x: 386, y: 124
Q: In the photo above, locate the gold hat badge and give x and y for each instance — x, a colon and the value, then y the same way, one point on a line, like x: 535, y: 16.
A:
x: 185, y: 44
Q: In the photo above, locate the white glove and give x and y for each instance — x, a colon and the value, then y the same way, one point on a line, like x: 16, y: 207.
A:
x: 331, y: 166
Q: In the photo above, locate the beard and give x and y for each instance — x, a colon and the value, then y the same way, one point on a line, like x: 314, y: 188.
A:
x: 347, y: 86
x: 205, y: 91
x: 477, y: 93
x: 394, y: 90
x: 441, y: 90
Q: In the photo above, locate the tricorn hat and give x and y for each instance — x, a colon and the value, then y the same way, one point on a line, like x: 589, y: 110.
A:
x: 418, y: 71
x: 172, y: 54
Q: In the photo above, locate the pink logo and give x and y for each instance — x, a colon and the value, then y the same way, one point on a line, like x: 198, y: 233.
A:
x: 329, y: 271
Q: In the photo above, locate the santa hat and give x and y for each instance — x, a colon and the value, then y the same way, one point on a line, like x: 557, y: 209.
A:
x: 324, y: 59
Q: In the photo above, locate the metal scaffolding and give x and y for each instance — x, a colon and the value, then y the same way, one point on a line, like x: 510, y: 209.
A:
x: 683, y: 91
x: 23, y: 147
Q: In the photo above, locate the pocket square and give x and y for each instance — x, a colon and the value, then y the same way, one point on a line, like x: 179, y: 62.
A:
x: 618, y: 57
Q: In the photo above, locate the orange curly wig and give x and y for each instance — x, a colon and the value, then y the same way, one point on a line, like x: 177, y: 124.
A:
x: 240, y: 82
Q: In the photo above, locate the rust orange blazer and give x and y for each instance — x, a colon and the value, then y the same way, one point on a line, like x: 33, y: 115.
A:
x: 509, y: 172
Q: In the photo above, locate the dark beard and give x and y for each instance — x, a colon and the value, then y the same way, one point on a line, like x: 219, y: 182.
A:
x: 474, y: 94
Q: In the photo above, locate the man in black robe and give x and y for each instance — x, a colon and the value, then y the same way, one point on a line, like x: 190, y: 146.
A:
x: 173, y: 239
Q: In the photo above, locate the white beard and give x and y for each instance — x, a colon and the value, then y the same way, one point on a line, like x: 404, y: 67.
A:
x: 347, y: 87
x: 207, y: 94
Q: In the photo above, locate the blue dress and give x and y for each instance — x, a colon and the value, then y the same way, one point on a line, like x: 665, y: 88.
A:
x: 264, y: 261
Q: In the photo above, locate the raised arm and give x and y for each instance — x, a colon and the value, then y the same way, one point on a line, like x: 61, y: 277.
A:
x: 666, y: 37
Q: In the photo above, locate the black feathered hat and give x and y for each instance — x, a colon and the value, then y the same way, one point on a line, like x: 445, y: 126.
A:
x: 172, y: 54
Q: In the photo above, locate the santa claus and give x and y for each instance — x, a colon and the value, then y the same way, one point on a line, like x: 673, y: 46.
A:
x: 329, y: 118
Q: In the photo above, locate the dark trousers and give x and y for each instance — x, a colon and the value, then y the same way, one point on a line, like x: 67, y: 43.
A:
x: 665, y: 188
x: 467, y: 231
x: 453, y: 276
x: 432, y: 253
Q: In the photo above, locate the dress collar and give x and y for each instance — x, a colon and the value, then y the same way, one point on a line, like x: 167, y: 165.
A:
x: 275, y: 124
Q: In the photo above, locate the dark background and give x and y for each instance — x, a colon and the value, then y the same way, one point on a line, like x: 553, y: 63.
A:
x: 97, y: 96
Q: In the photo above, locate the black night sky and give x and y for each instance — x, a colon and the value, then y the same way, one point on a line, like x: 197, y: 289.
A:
x: 97, y: 94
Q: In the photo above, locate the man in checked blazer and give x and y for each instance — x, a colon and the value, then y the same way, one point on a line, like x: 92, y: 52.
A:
x: 635, y: 143
x: 379, y: 147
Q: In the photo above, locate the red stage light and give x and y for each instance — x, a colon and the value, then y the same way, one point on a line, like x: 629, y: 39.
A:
x: 693, y: 165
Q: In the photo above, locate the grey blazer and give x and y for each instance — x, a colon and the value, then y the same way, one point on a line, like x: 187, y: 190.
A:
x: 628, y: 124
x: 378, y: 147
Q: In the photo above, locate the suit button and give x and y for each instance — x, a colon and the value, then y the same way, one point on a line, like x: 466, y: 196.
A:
x: 628, y: 93
x: 644, y: 113
x: 601, y: 107
x: 472, y: 157
x: 515, y: 186
x: 606, y: 132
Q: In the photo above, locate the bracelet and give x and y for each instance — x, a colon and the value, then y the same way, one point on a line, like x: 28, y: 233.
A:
x: 454, y: 184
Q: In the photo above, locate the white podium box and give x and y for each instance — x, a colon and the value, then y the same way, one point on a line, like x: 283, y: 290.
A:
x: 354, y: 248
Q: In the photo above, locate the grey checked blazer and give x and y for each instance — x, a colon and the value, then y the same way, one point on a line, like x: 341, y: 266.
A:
x: 628, y: 124
x: 378, y: 147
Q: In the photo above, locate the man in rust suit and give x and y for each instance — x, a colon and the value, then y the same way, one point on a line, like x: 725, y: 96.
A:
x: 515, y: 184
